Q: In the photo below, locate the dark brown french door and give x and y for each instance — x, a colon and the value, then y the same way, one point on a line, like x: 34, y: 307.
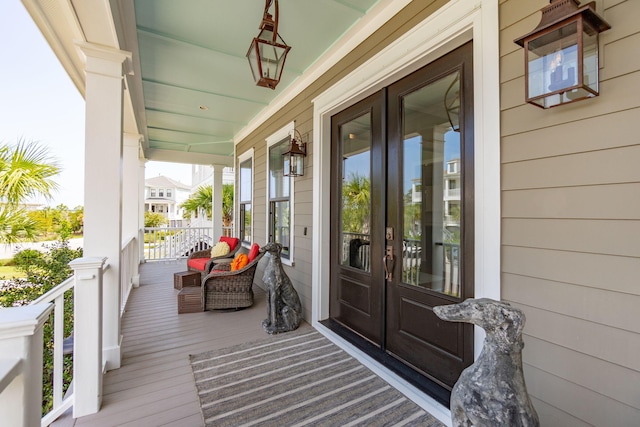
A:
x: 402, y: 217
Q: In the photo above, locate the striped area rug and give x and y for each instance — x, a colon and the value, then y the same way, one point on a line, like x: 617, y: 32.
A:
x: 297, y: 379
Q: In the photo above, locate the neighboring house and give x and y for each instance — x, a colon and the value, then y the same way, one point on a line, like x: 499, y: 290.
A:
x: 164, y: 195
x: 451, y: 195
x: 548, y: 205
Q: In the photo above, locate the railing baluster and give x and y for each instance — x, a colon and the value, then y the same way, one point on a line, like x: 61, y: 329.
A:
x: 174, y: 242
x: 58, y: 355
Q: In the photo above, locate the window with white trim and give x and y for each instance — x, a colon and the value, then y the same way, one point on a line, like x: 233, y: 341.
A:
x: 280, y: 194
x: 245, y: 197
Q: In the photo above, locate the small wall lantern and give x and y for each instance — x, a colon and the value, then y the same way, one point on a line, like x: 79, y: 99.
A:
x: 268, y: 51
x: 293, y: 158
x: 561, y: 54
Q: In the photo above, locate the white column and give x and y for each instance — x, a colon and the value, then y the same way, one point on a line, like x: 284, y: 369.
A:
x: 216, y: 211
x: 103, y: 181
x: 131, y: 188
x: 141, y: 197
x: 87, y: 330
x: 21, y: 364
x: 131, y: 203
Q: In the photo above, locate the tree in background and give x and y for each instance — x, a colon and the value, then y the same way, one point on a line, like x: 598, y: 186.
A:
x: 59, y: 222
x: 154, y: 219
x: 26, y: 170
x: 227, y: 204
x: 356, y: 204
x: 201, y: 201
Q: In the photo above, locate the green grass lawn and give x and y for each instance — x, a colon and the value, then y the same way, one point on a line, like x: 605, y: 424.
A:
x: 9, y: 272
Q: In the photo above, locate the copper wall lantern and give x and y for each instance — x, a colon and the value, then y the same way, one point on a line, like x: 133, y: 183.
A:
x: 293, y: 158
x: 561, y: 54
x: 268, y: 51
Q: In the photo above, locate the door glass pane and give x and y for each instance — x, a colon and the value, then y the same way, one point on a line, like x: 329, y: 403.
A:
x: 355, y: 143
x: 432, y: 187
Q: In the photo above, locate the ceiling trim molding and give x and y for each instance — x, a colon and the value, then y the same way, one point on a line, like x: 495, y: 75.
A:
x: 365, y: 27
x: 210, y: 119
x: 159, y: 155
x: 185, y: 88
x: 173, y: 39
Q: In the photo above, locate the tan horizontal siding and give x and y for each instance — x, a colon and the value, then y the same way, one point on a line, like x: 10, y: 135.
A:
x: 554, y: 417
x: 590, y: 338
x: 570, y: 227
x: 589, y: 406
x: 612, y: 237
x: 606, y: 272
x: 575, y: 202
x: 616, y: 165
x: 578, y: 136
x: 612, y: 381
x: 620, y: 94
x: 618, y: 61
x: 615, y: 309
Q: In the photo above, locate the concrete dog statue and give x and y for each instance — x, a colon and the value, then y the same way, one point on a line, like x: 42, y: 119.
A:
x: 491, y: 392
x: 284, y: 311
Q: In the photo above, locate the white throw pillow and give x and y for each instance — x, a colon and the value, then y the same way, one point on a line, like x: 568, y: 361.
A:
x: 221, y: 248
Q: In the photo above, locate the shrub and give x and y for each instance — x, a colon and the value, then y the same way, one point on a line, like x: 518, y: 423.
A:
x: 44, y: 272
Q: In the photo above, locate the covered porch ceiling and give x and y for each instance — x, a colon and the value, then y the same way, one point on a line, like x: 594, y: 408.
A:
x: 189, y: 90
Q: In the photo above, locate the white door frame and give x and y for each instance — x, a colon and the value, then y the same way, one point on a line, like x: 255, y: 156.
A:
x: 451, y: 26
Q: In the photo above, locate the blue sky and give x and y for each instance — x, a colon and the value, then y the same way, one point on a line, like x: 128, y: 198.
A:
x: 39, y: 102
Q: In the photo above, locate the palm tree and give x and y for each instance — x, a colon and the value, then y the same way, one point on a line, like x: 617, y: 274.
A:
x: 201, y: 200
x: 227, y: 204
x: 26, y: 170
x: 356, y: 204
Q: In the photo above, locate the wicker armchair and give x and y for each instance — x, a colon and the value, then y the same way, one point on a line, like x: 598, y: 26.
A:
x: 201, y: 260
x: 223, y: 288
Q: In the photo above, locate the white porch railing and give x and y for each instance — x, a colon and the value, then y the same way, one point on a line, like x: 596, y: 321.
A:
x: 21, y: 330
x: 128, y: 270
x: 21, y: 345
x: 57, y: 297
x: 162, y: 243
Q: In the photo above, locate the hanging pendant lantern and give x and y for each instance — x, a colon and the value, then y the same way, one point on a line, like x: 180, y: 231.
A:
x: 268, y: 51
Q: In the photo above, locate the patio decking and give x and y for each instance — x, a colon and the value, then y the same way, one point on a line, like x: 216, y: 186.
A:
x: 154, y: 386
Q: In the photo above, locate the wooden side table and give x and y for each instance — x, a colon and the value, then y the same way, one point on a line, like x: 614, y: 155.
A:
x: 185, y: 279
x: 190, y: 300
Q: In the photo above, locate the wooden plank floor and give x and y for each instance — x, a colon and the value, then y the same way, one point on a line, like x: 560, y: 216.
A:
x: 154, y: 386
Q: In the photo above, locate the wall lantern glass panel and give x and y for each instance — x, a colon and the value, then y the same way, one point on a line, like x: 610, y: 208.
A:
x: 561, y: 54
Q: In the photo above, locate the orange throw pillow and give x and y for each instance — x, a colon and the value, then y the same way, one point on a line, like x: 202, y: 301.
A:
x: 239, y: 262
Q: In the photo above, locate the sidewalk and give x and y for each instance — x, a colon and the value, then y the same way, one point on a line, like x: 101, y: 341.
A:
x: 8, y: 251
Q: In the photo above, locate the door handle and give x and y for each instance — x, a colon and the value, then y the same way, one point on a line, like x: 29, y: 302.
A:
x: 386, y: 260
